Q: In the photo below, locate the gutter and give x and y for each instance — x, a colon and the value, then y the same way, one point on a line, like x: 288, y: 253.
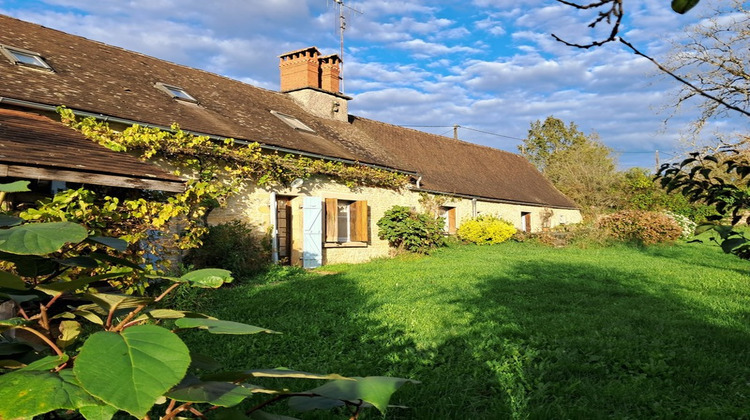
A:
x: 108, y: 118
x: 493, y: 200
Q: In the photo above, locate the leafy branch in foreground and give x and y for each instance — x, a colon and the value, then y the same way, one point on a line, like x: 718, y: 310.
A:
x: 71, y: 344
x: 719, y: 180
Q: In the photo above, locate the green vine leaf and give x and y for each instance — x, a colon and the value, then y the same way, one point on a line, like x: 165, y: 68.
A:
x: 31, y: 265
x: 11, y: 281
x: 208, y: 278
x: 25, y: 394
x: 69, y: 332
x: 40, y: 238
x: 217, y: 326
x: 114, y: 243
x: 131, y: 370
x: 223, y: 394
x: 18, y: 186
x: 7, y: 324
x: 7, y: 220
x: 98, y: 412
x: 272, y: 373
x: 46, y: 363
x: 376, y: 390
x: 63, y: 286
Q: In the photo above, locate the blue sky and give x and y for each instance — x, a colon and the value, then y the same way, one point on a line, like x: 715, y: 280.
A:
x: 490, y: 66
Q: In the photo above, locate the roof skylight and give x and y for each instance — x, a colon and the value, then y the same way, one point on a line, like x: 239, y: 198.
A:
x: 23, y: 57
x: 176, y: 92
x: 293, y: 122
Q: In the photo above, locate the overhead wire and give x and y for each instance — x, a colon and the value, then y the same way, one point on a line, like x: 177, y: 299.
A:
x: 668, y: 153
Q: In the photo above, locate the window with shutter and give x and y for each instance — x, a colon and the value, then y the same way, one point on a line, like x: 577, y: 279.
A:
x: 332, y: 231
x: 346, y: 221
x: 358, y: 227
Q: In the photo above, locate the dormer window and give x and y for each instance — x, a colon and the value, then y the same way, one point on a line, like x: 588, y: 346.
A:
x: 176, y: 92
x: 293, y: 122
x: 23, y: 57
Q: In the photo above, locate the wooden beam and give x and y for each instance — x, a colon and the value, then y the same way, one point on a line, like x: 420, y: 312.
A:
x: 36, y: 173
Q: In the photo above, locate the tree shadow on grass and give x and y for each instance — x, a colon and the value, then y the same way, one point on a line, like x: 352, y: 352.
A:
x: 694, y: 254
x: 325, y: 328
x: 586, y: 342
x: 542, y: 340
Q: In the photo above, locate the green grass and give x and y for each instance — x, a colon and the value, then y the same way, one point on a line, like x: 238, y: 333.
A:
x: 514, y: 331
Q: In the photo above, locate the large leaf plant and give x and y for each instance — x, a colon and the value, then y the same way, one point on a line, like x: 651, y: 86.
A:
x: 72, y: 347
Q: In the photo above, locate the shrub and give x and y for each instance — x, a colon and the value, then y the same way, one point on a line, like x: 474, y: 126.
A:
x: 234, y: 246
x: 486, y: 229
x: 688, y: 226
x: 642, y: 227
x: 405, y: 229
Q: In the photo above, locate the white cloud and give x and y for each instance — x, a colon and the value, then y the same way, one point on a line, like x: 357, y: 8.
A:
x: 421, y: 48
x: 492, y: 65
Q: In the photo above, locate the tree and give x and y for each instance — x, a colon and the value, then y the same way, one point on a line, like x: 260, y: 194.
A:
x: 580, y: 166
x: 714, y: 56
x: 550, y: 137
x: 638, y: 190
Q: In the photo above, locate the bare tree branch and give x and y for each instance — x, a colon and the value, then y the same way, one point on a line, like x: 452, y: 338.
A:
x: 696, y: 89
x: 615, y: 11
x: 732, y: 66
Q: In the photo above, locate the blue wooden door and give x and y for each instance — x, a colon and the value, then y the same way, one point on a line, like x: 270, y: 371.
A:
x: 312, y: 221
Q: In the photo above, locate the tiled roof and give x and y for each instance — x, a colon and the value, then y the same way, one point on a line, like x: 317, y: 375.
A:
x: 453, y: 166
x: 29, y: 140
x: 102, y: 79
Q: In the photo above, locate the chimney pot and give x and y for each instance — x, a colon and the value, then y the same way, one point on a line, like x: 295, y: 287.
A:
x: 300, y: 69
x: 305, y: 68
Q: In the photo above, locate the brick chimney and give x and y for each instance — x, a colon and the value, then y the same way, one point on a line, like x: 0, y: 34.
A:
x: 300, y: 69
x: 329, y: 73
x: 314, y: 82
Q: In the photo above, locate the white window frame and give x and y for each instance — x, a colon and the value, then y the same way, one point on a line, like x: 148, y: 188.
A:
x: 14, y: 55
x: 176, y: 92
x: 357, y: 231
x: 293, y: 122
x: 344, y: 236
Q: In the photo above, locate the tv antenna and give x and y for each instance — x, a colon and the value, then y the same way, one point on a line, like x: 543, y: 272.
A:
x: 342, y: 28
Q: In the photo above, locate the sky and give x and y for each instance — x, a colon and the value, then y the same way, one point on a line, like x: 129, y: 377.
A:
x: 489, y: 66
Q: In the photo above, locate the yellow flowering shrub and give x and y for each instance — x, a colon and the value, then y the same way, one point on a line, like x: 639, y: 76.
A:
x: 486, y: 229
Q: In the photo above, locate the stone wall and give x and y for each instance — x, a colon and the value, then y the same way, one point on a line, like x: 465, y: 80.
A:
x: 253, y: 205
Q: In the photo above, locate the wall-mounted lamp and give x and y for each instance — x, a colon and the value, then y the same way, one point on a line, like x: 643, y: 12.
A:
x: 297, y: 183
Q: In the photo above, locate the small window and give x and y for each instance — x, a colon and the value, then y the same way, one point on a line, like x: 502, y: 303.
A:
x: 176, y: 92
x: 343, y: 221
x: 24, y: 58
x: 346, y: 221
x: 293, y: 122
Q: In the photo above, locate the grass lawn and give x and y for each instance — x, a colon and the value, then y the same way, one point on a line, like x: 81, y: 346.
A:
x: 513, y: 331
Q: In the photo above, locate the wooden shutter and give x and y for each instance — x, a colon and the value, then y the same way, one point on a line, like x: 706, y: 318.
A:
x: 332, y: 226
x: 452, y: 221
x: 358, y: 228
x: 312, y: 249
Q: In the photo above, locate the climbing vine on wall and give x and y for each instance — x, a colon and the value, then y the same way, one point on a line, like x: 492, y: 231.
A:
x: 206, y: 159
x: 432, y: 203
x: 215, y: 171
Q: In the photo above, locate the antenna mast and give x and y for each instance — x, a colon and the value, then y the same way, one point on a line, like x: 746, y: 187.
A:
x: 342, y: 28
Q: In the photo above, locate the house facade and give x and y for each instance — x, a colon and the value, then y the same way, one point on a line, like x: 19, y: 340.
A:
x: 314, y: 221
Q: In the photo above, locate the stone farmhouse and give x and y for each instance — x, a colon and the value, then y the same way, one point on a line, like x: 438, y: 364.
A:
x: 314, y: 221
